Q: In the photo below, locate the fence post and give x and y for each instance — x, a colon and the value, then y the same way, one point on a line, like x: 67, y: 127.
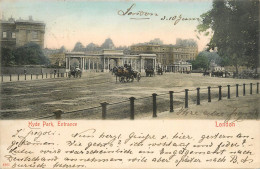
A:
x: 251, y: 88
x: 198, y: 96
x: 209, y: 94
x: 228, y: 94
x: 154, y: 105
x: 58, y: 113
x: 257, y: 87
x: 219, y: 93
x: 25, y: 76
x: 18, y: 77
x: 171, y: 101
x: 104, y: 110
x: 31, y: 76
x: 10, y: 77
x: 236, y: 90
x: 132, y: 108
x: 186, y: 98
x: 244, y: 89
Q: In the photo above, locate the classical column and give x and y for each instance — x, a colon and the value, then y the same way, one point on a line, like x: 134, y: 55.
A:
x: 155, y: 64
x: 135, y: 63
x: 108, y: 64
x: 89, y: 64
x: 104, y: 64
x: 131, y: 62
x: 93, y: 65
x: 69, y: 62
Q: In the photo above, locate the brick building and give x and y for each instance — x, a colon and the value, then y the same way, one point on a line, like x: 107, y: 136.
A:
x: 15, y: 33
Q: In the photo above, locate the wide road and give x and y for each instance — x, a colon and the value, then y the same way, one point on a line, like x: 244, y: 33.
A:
x: 39, y: 98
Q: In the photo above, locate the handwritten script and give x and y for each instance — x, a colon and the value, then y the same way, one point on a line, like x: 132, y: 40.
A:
x: 146, y: 144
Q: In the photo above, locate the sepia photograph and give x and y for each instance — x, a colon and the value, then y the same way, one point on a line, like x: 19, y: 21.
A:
x: 71, y: 63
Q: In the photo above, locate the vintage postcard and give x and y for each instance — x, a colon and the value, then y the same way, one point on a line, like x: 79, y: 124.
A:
x: 129, y: 84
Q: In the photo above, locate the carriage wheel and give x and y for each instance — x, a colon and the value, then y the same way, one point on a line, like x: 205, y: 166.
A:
x: 132, y: 78
x: 121, y: 79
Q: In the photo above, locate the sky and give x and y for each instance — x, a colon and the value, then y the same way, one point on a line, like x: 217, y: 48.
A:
x: 68, y: 22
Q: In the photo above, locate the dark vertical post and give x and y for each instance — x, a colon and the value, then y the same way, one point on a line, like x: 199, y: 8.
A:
x: 24, y: 76
x: 236, y: 90
x: 46, y: 75
x: 104, y: 110
x: 58, y: 75
x: 198, y: 96
x: 154, y: 105
x: 42, y: 75
x: 228, y: 94
x: 132, y: 108
x: 31, y: 76
x: 219, y: 93
x: 186, y: 98
x: 116, y: 78
x: 18, y: 77
x: 257, y: 87
x: 58, y: 113
x: 10, y: 77
x: 171, y: 101
x: 209, y: 94
x: 2, y: 78
x: 66, y: 74
x: 251, y: 88
x: 244, y: 89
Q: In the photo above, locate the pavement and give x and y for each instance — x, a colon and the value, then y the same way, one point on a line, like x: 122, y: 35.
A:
x: 234, y: 109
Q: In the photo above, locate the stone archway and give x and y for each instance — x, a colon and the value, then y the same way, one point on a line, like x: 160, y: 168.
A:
x: 74, y: 63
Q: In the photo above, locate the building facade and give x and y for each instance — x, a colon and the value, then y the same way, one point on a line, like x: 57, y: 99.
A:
x: 167, y: 55
x: 16, y: 33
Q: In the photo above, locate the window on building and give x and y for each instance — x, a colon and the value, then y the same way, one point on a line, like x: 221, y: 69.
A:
x: 35, y: 35
x: 13, y: 35
x: 4, y: 34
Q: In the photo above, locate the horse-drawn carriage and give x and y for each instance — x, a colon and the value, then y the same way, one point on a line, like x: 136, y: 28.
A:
x: 126, y: 74
x: 160, y: 71
x: 149, y: 72
x: 75, y: 73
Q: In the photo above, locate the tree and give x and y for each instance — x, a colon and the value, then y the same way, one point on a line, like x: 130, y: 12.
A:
x: 92, y: 47
x: 30, y: 53
x: 7, y: 57
x: 201, y: 62
x: 78, y: 47
x: 234, y: 25
x: 108, y: 44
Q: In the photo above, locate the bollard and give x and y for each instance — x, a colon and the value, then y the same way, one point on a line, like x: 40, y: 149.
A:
x: 251, y: 88
x: 209, y: 95
x: 18, y: 77
x: 132, y: 108
x: 58, y: 113
x: 42, y: 75
x: 154, y: 105
x: 198, y: 96
x: 171, y: 101
x: 257, y: 87
x: 2, y: 78
x: 31, y: 76
x: 46, y: 75
x: 236, y: 90
x: 104, y: 110
x: 10, y: 77
x: 186, y: 98
x: 24, y: 76
x: 228, y: 94
x: 244, y: 89
x: 36, y: 76
x: 219, y: 93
